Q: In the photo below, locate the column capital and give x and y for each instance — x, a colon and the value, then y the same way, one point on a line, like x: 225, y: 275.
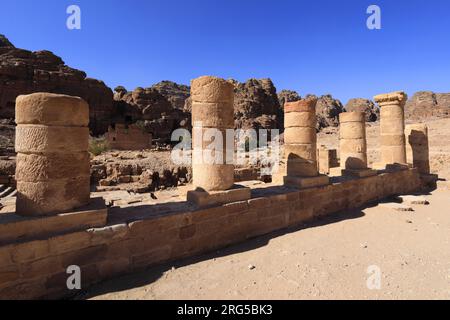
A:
x: 397, y: 97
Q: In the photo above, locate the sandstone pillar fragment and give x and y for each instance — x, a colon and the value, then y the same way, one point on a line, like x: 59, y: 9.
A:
x: 300, y: 144
x: 392, y: 128
x: 417, y: 147
x: 353, y: 144
x: 212, y: 115
x: 53, y: 163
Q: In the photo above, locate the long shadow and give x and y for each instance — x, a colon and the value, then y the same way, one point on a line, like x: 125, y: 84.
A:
x: 152, y: 274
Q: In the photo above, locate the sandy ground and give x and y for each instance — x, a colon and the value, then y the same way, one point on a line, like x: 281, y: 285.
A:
x: 332, y: 258
x: 327, y: 259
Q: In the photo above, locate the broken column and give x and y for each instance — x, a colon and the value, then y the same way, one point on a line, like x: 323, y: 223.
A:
x: 212, y: 114
x: 353, y: 144
x: 53, y: 163
x: 300, y: 144
x: 417, y: 147
x: 392, y: 128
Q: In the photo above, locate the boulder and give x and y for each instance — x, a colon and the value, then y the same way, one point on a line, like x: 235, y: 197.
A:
x: 364, y: 105
x: 328, y: 110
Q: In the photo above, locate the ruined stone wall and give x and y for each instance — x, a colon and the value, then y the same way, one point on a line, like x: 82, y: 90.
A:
x: 37, y: 268
x: 128, y: 138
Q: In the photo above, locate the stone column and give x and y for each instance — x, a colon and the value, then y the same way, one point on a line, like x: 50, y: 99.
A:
x: 212, y: 108
x: 392, y: 127
x: 300, y: 144
x: 353, y: 144
x: 53, y: 163
x: 212, y: 114
x: 417, y: 147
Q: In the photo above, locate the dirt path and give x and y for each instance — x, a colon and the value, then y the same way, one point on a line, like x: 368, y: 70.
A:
x: 326, y: 260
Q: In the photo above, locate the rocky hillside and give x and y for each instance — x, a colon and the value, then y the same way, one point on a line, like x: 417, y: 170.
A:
x: 166, y: 106
x: 256, y: 104
x: 175, y: 93
x: 364, y: 105
x: 328, y: 110
x: 24, y: 72
x: 151, y: 109
x: 427, y: 104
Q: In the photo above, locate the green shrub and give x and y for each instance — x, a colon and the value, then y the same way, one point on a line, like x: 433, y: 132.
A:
x: 98, y: 145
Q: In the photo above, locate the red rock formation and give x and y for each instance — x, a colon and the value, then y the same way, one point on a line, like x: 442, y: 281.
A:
x: 151, y: 110
x: 25, y: 72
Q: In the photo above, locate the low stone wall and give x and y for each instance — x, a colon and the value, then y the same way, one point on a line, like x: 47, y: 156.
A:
x: 134, y: 240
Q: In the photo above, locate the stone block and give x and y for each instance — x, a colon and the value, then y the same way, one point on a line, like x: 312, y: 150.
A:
x: 300, y: 135
x: 213, y: 198
x: 300, y: 119
x: 52, y: 196
x: 362, y: 173
x: 52, y: 110
x: 14, y: 227
x: 306, y: 182
x: 212, y: 90
x: 213, y: 115
x: 42, y: 139
x: 213, y: 177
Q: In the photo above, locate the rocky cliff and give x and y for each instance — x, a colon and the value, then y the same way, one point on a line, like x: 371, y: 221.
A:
x: 256, y: 104
x: 156, y: 112
x: 24, y: 72
x: 427, y: 104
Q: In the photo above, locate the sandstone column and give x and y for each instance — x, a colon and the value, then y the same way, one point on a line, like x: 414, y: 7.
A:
x: 417, y: 147
x: 392, y: 127
x: 212, y: 114
x: 300, y: 144
x: 53, y: 168
x: 353, y: 144
x: 212, y: 108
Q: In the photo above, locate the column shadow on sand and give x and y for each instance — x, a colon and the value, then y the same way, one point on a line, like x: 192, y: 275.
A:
x: 152, y: 274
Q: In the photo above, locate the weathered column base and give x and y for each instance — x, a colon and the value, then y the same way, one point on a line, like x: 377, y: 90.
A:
x: 359, y: 173
x: 203, y: 198
x: 306, y: 182
x: 18, y: 228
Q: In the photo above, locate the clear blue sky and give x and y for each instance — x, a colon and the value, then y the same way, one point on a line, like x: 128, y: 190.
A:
x: 320, y: 46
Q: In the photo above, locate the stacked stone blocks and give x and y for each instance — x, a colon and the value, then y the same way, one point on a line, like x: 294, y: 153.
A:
x: 300, y: 144
x: 53, y: 168
x: 392, y: 127
x: 353, y: 144
x: 212, y: 116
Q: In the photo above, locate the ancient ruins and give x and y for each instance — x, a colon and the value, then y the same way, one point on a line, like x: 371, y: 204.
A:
x: 56, y: 222
x: 53, y: 159
x: 300, y: 139
x: 392, y: 127
x: 128, y: 137
x: 353, y: 144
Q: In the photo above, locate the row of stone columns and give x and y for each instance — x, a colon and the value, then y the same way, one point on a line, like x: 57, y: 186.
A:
x: 53, y: 161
